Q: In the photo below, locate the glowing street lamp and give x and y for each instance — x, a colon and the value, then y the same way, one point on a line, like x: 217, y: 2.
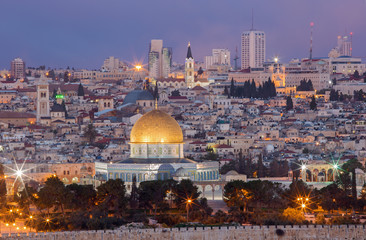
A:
x: 138, y: 67
x: 189, y: 201
x: 303, y: 167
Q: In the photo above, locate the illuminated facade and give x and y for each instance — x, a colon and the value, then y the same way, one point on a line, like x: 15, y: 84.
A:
x: 43, y: 99
x: 253, y: 49
x: 156, y: 152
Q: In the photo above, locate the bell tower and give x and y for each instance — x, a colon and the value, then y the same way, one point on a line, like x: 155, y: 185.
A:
x: 43, y: 99
x: 189, y: 68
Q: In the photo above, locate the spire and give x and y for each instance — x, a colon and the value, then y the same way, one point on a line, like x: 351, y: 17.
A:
x: 156, y: 103
x: 189, y: 52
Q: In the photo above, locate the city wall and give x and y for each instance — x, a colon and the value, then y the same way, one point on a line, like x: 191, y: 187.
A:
x: 208, y: 233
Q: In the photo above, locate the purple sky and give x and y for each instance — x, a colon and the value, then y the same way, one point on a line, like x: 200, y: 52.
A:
x: 82, y: 33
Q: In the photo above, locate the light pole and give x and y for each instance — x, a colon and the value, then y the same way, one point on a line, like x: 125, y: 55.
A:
x: 189, y: 201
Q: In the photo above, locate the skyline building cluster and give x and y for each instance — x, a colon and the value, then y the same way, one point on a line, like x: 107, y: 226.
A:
x: 160, y: 59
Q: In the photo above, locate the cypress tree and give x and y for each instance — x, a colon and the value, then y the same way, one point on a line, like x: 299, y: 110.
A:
x: 81, y: 90
x: 232, y: 88
x: 313, y: 103
x: 289, y: 103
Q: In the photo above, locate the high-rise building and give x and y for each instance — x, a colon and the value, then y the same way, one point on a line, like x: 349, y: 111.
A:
x: 253, y: 49
x: 189, y: 68
x: 344, y: 46
x: 167, y: 62
x: 160, y: 60
x: 17, y: 68
x: 219, y: 57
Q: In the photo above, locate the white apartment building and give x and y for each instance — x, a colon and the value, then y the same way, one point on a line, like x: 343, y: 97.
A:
x: 346, y: 65
x: 219, y: 57
x: 17, y: 68
x: 253, y: 49
x: 319, y: 80
x: 112, y: 64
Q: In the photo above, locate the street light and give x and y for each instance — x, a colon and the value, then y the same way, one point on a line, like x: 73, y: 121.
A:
x: 138, y: 67
x: 189, y: 201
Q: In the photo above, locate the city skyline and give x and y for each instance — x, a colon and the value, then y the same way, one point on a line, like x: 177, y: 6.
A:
x: 82, y: 35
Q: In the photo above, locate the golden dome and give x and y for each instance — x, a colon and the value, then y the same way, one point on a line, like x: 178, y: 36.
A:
x: 156, y: 127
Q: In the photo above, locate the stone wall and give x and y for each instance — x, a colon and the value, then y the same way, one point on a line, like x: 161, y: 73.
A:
x: 208, y: 233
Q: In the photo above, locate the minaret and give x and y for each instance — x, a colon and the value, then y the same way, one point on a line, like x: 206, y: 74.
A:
x: 189, y: 68
x: 43, y: 98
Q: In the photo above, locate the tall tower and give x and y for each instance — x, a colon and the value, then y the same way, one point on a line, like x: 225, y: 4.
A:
x: 189, y: 68
x: 43, y: 99
x: 155, y: 58
x: 253, y: 49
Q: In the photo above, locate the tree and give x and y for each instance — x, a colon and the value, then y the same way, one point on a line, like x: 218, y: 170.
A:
x: 185, y: 190
x: 293, y: 215
x: 90, y: 133
x: 350, y: 167
x: 81, y: 90
x: 175, y: 93
x: 82, y: 196
x: 334, y: 81
x: 236, y: 195
x: 51, y: 74
x: 295, y: 167
x: 274, y: 168
x: 134, y: 194
x: 66, y: 76
x: 313, y: 104
x: 333, y: 196
x: 289, y: 103
x: 241, y: 162
x: 200, y: 71
x: 261, y: 167
x: 26, y: 197
x: 54, y: 194
x: 305, y: 85
x: 364, y: 79
x: 111, y: 196
x: 156, y: 92
x: 356, y: 75
x: 232, y: 88
x: 333, y: 95
x: 226, y: 91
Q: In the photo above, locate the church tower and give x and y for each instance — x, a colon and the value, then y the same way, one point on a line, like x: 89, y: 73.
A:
x: 43, y: 99
x: 189, y: 68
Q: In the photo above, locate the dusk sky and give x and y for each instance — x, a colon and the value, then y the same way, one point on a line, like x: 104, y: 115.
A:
x: 82, y: 33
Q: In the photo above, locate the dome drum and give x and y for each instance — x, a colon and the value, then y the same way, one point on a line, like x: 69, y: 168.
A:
x: 156, y: 150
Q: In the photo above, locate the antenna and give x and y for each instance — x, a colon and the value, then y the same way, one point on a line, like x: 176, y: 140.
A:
x: 252, y: 20
x: 311, y: 40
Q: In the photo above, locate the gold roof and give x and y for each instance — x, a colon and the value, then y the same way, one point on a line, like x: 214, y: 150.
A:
x: 156, y: 126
